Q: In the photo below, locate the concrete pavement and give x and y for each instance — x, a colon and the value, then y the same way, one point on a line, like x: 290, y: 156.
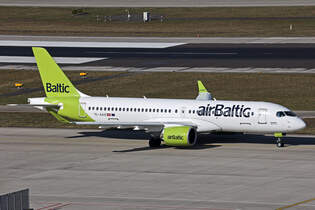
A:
x: 91, y: 169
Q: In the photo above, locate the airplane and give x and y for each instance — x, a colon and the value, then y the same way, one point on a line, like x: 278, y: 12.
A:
x: 176, y: 122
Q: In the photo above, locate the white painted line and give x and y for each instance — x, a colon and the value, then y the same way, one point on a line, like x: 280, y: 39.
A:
x: 60, y: 60
x: 16, y: 43
x: 168, y: 69
x: 164, y: 53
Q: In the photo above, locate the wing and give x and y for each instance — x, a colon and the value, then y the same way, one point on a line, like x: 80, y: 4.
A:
x: 157, y: 125
x: 149, y: 126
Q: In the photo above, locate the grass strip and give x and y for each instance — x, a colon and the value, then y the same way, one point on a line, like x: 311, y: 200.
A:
x: 177, y: 22
x: 295, y: 91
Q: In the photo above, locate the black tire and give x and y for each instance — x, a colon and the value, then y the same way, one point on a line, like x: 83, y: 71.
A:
x: 155, y: 142
x: 280, y: 144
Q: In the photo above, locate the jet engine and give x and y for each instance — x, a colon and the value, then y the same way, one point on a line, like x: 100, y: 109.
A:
x: 179, y: 136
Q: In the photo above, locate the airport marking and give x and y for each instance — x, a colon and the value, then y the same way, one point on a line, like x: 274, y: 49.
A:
x: 19, y: 66
x: 130, y: 205
x: 60, y: 60
x: 155, y: 45
x: 165, y: 53
x: 296, y: 204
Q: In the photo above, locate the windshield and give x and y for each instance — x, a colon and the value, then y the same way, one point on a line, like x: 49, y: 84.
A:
x: 280, y: 114
x: 286, y: 113
x: 289, y: 113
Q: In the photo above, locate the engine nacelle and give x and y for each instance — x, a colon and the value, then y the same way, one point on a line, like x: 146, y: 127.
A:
x: 179, y: 136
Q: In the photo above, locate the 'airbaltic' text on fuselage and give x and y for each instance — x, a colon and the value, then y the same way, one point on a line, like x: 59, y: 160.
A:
x: 58, y: 88
x: 225, y: 111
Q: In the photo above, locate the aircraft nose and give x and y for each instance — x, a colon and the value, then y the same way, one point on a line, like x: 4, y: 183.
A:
x: 300, y: 124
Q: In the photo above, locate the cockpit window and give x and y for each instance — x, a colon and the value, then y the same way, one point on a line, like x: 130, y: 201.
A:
x: 280, y: 114
x: 290, y: 114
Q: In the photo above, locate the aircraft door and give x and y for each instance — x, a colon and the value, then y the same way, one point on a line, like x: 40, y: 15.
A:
x: 262, y: 116
x: 82, y: 107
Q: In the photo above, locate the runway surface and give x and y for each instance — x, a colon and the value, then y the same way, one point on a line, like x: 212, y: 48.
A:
x: 91, y: 169
x: 271, y: 55
x: 159, y: 3
x: 205, y: 57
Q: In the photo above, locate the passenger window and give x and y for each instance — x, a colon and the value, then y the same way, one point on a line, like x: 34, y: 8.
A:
x: 157, y: 110
x: 162, y: 110
x: 175, y: 110
x: 96, y: 108
x: 127, y: 109
x: 142, y: 110
x: 93, y: 108
x: 146, y: 110
x: 101, y: 108
x: 165, y: 110
x: 169, y: 111
x: 104, y: 108
x: 123, y: 109
x: 116, y: 109
x: 153, y: 110
x: 89, y: 108
x: 113, y: 108
x: 193, y: 111
x: 138, y: 109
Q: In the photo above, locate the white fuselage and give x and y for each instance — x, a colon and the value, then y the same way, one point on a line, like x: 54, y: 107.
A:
x: 206, y: 115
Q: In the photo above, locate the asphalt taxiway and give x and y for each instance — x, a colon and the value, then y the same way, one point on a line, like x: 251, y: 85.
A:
x: 270, y: 58
x: 224, y: 55
x: 94, y: 169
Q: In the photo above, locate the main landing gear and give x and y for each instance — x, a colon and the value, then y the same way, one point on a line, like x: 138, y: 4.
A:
x: 154, y: 141
x: 279, y: 142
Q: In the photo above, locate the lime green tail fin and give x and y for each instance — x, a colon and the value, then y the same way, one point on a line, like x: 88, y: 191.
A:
x: 55, y: 82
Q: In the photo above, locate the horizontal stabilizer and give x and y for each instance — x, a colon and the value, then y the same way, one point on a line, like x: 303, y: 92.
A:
x: 30, y: 105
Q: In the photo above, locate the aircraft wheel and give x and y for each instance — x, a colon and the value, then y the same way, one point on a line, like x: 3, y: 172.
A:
x: 279, y: 143
x: 155, y: 142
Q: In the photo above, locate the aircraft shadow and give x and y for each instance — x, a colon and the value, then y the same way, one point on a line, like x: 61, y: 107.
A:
x: 254, y: 139
x: 134, y: 135
x: 115, y: 134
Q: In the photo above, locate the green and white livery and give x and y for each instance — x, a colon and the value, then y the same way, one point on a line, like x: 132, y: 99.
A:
x: 176, y: 122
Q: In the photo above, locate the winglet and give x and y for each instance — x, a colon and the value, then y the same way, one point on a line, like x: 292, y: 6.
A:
x: 203, y: 92
x: 201, y: 87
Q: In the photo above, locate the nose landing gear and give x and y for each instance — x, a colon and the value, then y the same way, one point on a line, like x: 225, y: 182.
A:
x: 279, y: 142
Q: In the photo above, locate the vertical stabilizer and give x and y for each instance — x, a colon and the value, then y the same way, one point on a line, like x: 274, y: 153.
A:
x: 55, y: 82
